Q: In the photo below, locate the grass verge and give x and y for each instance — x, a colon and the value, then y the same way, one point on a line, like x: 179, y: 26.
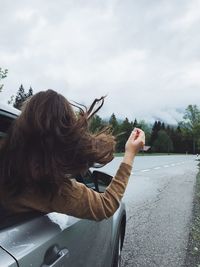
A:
x: 149, y: 154
x: 193, y: 250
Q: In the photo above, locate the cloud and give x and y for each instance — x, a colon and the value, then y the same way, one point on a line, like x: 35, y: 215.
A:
x: 143, y: 54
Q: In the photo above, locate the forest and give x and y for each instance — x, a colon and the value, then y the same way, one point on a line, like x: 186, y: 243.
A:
x: 160, y: 137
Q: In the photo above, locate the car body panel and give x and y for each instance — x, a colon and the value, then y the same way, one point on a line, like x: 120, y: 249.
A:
x: 9, y: 109
x: 6, y: 260
x: 85, y: 240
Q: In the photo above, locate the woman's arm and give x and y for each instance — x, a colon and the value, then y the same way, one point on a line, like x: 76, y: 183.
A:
x: 79, y: 201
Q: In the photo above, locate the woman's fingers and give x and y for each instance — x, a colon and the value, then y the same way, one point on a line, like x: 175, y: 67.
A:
x: 136, y: 141
x: 138, y: 134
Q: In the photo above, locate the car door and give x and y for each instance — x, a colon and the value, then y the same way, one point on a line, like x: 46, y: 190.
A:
x: 57, y: 240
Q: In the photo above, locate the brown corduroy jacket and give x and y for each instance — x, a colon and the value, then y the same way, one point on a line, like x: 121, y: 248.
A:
x: 77, y: 200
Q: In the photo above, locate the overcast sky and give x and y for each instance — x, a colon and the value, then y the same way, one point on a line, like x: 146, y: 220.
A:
x: 143, y: 54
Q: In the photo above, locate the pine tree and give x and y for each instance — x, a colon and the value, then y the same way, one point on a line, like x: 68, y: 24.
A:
x: 125, y: 130
x: 154, y: 133
x: 163, y: 142
x: 135, y: 123
x: 96, y: 124
x: 20, y: 97
x: 114, y: 123
x: 147, y: 129
x: 30, y: 92
x: 177, y: 140
x: 163, y: 126
x: 159, y: 126
x: 3, y: 75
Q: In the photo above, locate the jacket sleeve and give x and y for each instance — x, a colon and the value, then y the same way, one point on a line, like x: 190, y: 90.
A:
x: 77, y: 200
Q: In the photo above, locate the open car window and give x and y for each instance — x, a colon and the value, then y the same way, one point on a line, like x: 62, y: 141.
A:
x: 6, y: 120
x: 88, y: 180
x: 95, y: 180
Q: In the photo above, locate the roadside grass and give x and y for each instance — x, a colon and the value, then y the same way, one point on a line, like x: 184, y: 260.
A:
x: 150, y: 154
x: 193, y: 250
x: 119, y: 154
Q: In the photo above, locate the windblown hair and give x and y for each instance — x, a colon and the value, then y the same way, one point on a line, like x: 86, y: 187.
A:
x: 49, y: 141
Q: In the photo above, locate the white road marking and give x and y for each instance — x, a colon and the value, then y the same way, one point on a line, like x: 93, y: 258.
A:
x: 145, y: 170
x: 158, y: 167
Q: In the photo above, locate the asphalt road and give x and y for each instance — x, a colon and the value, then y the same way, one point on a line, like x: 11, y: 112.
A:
x: 159, y: 205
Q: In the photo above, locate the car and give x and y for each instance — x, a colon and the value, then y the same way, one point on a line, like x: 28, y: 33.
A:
x: 54, y: 239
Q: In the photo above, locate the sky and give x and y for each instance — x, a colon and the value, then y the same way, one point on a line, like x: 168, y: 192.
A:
x: 144, y: 55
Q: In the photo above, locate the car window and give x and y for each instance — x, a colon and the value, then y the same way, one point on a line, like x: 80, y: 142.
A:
x: 6, y: 120
x: 1, y: 140
x: 5, y: 123
x: 88, y: 180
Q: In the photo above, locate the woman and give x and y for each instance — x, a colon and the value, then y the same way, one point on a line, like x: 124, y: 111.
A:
x: 47, y: 145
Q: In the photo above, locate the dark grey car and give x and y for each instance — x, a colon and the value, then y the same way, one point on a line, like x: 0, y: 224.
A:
x: 55, y: 239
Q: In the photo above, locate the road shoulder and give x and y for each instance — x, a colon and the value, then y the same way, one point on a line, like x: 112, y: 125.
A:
x: 193, y: 248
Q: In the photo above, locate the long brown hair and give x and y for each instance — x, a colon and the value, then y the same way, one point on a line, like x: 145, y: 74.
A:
x: 50, y: 140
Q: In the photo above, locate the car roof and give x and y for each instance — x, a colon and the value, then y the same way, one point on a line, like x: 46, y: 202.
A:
x: 9, y: 109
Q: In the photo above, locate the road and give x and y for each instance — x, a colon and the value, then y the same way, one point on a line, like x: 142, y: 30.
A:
x: 159, y: 205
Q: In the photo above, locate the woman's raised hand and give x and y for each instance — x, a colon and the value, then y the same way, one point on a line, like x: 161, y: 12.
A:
x: 134, y: 143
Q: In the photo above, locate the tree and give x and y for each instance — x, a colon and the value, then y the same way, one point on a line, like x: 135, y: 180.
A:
x: 20, y: 97
x: 114, y: 123
x: 154, y: 133
x: 135, y: 123
x: 168, y: 130
x: 191, y: 125
x: 147, y: 129
x: 180, y: 145
x: 96, y: 124
x: 163, y: 126
x: 125, y: 130
x: 163, y: 143
x: 3, y: 74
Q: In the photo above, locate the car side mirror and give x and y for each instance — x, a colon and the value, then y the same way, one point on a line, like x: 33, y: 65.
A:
x: 101, y: 180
